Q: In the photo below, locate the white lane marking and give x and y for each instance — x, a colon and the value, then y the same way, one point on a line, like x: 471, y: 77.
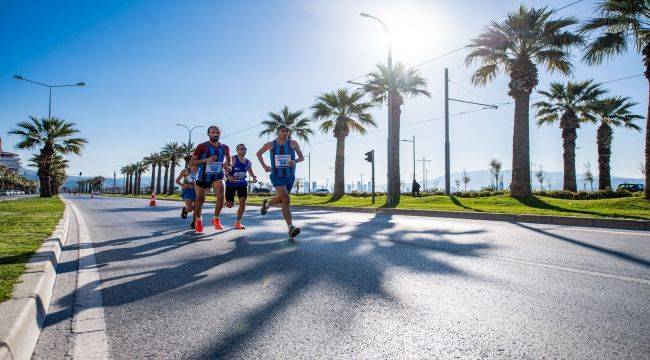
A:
x: 89, y: 339
x: 574, y: 270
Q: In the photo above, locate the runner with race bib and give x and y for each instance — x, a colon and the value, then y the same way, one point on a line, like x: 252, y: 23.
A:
x: 283, y: 153
x: 186, y: 180
x: 212, y: 159
x: 236, y: 183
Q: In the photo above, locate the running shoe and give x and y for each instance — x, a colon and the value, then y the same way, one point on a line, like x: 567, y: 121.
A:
x: 192, y: 225
x: 239, y: 226
x: 217, y: 224
x: 264, y: 209
x: 293, y: 231
x: 198, y: 227
x: 184, y: 213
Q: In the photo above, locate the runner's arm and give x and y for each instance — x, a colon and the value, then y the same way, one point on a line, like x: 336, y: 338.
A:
x: 261, y: 152
x: 180, y: 176
x: 295, y: 146
x: 250, y: 169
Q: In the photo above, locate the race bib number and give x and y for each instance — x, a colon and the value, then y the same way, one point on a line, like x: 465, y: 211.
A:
x: 240, y: 175
x: 214, y: 167
x: 282, y: 161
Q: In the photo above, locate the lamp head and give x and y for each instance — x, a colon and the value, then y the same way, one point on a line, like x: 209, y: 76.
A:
x: 18, y: 77
x: 81, y: 84
x: 364, y: 14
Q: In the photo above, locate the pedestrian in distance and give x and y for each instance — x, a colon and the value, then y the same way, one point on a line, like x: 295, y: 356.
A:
x: 415, y: 189
x: 284, y: 155
x: 236, y: 183
x: 186, y: 180
x: 212, y: 159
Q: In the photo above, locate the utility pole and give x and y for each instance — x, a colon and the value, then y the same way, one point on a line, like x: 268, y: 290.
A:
x: 370, y: 157
x: 447, y: 100
x: 424, y: 172
x: 114, y: 182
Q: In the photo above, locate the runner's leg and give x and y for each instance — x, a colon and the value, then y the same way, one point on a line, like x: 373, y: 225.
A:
x: 283, y: 195
x: 200, y: 199
x: 242, y: 207
x: 218, y: 191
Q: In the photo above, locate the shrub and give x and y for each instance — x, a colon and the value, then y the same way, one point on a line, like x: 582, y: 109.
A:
x: 583, y: 195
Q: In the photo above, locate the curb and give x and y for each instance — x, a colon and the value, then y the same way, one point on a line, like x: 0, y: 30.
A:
x: 24, y: 313
x: 624, y: 224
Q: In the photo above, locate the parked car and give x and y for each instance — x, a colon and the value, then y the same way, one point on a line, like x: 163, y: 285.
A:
x: 321, y: 191
x: 259, y: 190
x: 631, y: 187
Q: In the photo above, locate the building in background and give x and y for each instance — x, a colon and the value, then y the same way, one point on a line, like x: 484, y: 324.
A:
x: 9, y: 160
x: 314, y: 186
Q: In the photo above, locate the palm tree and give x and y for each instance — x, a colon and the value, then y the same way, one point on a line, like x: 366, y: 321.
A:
x: 568, y: 105
x: 341, y: 112
x: 140, y: 167
x: 152, y: 160
x: 160, y: 162
x: 51, y: 135
x: 187, y: 150
x: 400, y: 82
x: 126, y: 172
x: 175, y: 152
x: 58, y: 166
x: 619, y: 23
x: 526, y: 39
x: 614, y: 111
x: 298, y: 125
x: 132, y: 173
x: 165, y: 163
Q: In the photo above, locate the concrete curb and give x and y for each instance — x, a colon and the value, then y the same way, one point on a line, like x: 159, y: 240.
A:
x: 624, y: 224
x: 23, y: 315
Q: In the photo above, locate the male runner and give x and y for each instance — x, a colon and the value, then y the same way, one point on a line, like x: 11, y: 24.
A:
x: 236, y: 183
x: 283, y: 152
x: 186, y: 180
x: 211, y: 158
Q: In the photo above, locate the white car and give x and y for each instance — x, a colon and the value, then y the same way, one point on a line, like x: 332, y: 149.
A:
x: 321, y: 191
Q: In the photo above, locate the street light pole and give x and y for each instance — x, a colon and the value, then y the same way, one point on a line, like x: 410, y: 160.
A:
x: 412, y: 141
x: 391, y: 127
x: 189, y: 138
x: 49, y: 108
x: 424, y: 172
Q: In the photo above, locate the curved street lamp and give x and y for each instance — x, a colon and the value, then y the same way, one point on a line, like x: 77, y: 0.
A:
x: 49, y: 111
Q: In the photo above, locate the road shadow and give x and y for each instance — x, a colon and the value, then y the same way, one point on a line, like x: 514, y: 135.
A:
x: 537, y: 203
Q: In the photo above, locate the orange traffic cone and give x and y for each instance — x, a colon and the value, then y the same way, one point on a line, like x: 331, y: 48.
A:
x: 152, y: 201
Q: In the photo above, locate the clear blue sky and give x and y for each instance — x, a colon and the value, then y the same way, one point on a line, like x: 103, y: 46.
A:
x: 152, y: 64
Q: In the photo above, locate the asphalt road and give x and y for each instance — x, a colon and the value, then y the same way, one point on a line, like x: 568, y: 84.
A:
x: 355, y: 286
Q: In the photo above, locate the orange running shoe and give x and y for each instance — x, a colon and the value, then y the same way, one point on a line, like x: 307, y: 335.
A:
x: 217, y: 224
x: 198, y: 226
x: 239, y: 226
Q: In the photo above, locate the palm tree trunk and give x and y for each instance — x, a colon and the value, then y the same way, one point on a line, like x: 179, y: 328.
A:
x: 172, y: 178
x: 166, y: 178
x: 339, y: 167
x: 604, y: 142
x: 520, y: 185
x: 158, y: 179
x: 394, y: 190
x: 127, y: 184
x: 569, y: 136
x: 646, y: 61
x: 153, y: 178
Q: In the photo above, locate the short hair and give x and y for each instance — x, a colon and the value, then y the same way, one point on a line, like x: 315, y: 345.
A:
x: 239, y: 146
x: 188, y: 158
x: 283, y: 127
x: 213, y: 127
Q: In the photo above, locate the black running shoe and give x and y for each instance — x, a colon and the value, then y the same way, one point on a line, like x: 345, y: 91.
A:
x: 184, y: 213
x: 264, y: 209
x: 293, y: 231
x: 192, y: 225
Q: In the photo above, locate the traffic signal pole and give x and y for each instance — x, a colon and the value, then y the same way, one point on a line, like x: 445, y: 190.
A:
x: 370, y: 157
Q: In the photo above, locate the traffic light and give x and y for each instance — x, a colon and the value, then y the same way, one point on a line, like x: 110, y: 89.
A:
x: 370, y: 156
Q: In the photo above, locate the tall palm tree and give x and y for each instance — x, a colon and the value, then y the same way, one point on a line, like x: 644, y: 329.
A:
x: 160, y: 162
x: 614, y: 111
x: 618, y: 23
x: 58, y: 166
x: 140, y: 167
x: 51, y: 135
x: 299, y: 125
x: 342, y: 112
x: 175, y: 152
x: 152, y: 160
x: 165, y: 158
x: 568, y: 105
x: 187, y: 150
x: 526, y: 39
x: 125, y: 171
x: 401, y: 83
x: 132, y: 174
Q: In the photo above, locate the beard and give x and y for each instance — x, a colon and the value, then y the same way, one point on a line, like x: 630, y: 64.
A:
x: 214, y: 139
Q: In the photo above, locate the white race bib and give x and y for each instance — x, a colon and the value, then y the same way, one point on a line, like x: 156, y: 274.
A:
x: 214, y: 167
x: 282, y: 161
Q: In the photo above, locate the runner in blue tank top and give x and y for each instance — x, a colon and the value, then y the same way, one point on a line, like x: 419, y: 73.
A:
x: 283, y: 153
x: 212, y: 159
x: 236, y: 183
x: 186, y: 180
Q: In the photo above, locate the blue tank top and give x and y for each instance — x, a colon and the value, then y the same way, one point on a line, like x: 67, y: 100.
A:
x: 280, y: 156
x: 213, y: 171
x: 238, y: 171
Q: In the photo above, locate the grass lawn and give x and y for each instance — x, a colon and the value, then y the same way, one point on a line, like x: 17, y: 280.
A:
x: 24, y: 224
x: 629, y: 207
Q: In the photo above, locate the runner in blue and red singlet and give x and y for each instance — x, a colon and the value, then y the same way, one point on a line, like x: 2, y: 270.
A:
x: 236, y: 183
x: 212, y: 159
